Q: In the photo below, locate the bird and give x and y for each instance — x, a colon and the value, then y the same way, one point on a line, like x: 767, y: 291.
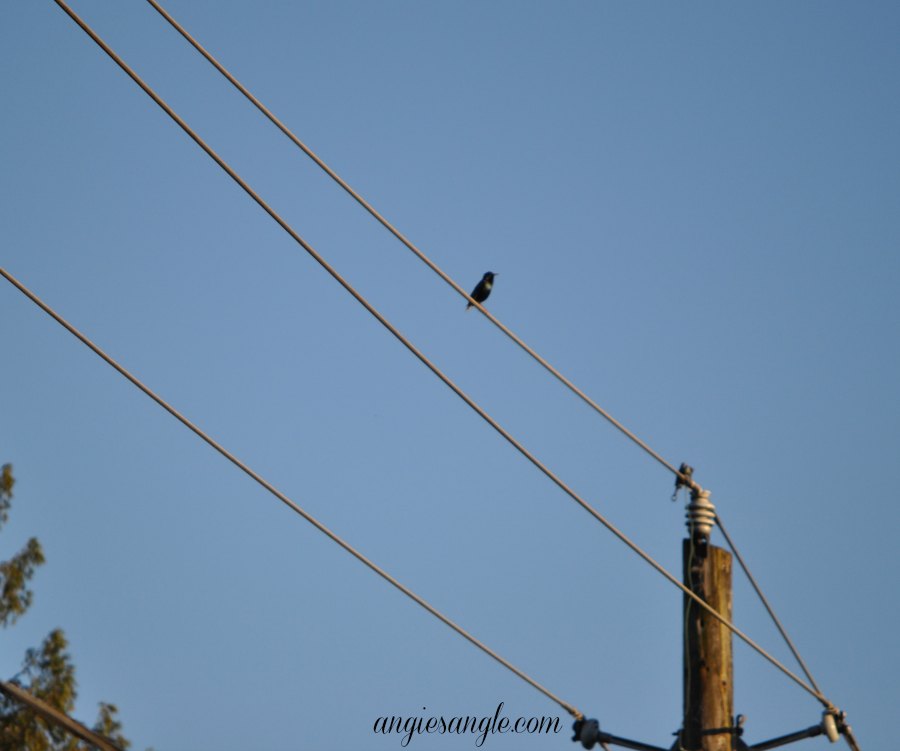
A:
x: 483, y: 289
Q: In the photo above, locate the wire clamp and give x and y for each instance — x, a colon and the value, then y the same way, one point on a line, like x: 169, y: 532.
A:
x: 588, y: 733
x: 684, y: 478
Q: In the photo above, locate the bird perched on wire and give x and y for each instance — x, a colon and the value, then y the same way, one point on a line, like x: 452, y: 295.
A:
x: 483, y: 289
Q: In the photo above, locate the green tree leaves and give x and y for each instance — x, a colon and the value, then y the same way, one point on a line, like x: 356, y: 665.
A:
x: 47, y: 672
x: 15, y: 597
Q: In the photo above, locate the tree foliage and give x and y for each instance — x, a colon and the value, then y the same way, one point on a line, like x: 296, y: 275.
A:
x: 47, y: 671
x: 15, y: 597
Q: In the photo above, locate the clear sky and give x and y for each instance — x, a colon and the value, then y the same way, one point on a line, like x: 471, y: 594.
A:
x: 694, y: 209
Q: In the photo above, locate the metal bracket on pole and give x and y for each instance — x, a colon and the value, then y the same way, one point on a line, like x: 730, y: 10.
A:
x: 589, y: 734
x: 832, y: 726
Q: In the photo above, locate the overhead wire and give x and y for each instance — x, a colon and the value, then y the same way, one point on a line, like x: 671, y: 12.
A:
x: 422, y: 358
x: 450, y: 281
x: 279, y: 495
x: 278, y: 123
x: 765, y: 602
x: 56, y: 717
x: 403, y: 239
x: 488, y: 314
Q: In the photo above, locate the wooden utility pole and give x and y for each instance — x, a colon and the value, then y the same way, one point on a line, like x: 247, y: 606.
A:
x: 708, y: 676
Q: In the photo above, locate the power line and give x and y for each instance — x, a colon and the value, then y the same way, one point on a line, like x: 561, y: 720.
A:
x: 686, y: 479
x: 403, y: 239
x: 53, y: 716
x: 422, y: 358
x: 765, y: 602
x: 512, y: 335
x: 281, y: 496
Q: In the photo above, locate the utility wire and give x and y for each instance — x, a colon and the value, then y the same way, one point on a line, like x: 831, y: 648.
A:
x: 402, y: 238
x: 53, y: 716
x: 281, y: 496
x: 425, y: 361
x: 449, y: 280
x: 765, y: 602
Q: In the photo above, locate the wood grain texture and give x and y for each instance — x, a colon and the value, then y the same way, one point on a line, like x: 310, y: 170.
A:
x: 708, y: 670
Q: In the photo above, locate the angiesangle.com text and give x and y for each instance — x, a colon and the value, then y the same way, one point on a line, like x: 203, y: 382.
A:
x: 479, y: 727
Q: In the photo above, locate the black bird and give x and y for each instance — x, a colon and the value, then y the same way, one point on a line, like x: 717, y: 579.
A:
x: 483, y: 289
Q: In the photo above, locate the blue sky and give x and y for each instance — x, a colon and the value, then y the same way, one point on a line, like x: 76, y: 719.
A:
x: 693, y: 209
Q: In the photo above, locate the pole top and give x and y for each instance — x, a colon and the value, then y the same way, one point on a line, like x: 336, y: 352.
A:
x: 701, y: 515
